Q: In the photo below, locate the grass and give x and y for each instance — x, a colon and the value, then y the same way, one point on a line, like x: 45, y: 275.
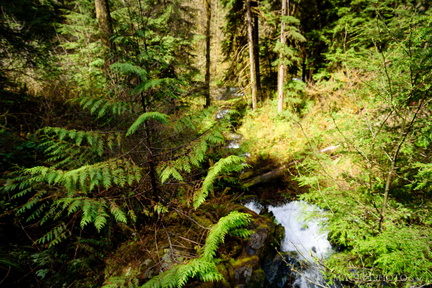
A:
x: 328, y: 111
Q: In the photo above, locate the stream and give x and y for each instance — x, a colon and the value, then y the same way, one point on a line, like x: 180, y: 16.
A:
x: 304, y: 240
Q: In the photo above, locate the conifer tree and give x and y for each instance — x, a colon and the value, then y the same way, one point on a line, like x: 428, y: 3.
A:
x: 252, y: 55
x: 126, y: 155
x: 237, y: 38
x: 378, y: 215
x: 208, y: 12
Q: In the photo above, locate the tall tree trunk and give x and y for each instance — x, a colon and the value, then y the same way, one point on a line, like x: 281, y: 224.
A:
x: 252, y: 61
x: 282, y: 67
x: 207, y: 64
x: 103, y: 17
x: 256, y: 52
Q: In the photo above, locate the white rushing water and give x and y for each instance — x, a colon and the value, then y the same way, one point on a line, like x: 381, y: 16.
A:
x: 302, y: 236
x: 306, y: 237
x: 254, y: 206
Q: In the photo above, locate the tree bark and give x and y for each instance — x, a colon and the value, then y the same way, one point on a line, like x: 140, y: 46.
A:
x: 252, y: 61
x: 256, y: 52
x: 103, y: 17
x: 269, y: 176
x: 208, y: 59
x: 282, y: 67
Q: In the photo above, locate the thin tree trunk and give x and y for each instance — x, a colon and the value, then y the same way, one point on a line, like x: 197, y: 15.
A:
x: 208, y: 62
x: 256, y: 52
x: 252, y: 61
x: 282, y: 67
x: 151, y: 156
x: 103, y: 17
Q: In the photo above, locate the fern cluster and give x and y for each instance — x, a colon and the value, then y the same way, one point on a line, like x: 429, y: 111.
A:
x: 72, y: 148
x: 205, y: 266
x: 77, y: 183
x: 83, y: 179
x: 102, y: 106
x: 84, y: 173
x: 207, y: 133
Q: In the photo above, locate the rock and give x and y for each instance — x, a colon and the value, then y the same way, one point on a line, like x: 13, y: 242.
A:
x: 278, y: 270
x: 247, y: 273
x: 247, y: 270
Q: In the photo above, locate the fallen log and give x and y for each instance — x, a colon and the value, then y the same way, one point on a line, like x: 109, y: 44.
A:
x: 269, y: 176
x: 279, y: 172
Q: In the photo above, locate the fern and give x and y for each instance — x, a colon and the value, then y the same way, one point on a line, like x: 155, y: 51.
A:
x: 225, y: 165
x: 74, y: 148
x: 102, y: 106
x: 228, y: 224
x: 130, y: 68
x: 46, y: 205
x: 54, y: 236
x: 178, y: 276
x: 151, y: 83
x: 171, y: 171
x: 195, y: 155
x: 163, y: 118
x: 205, y: 266
x: 202, y: 126
x: 86, y: 178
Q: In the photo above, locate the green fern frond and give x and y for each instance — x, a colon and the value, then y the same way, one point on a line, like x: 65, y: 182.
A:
x: 101, y: 217
x: 242, y: 233
x: 168, y: 172
x: 225, y: 165
x: 94, y: 211
x: 179, y: 275
x: 41, y: 193
x: 54, y: 236
x: 118, y: 214
x: 151, y: 83
x: 205, y: 266
x: 194, y: 156
x: 72, y: 205
x: 161, y: 117
x: 130, y: 68
x: 87, y: 177
x: 198, y: 121
x: 102, y: 106
x: 232, y: 222
x: 73, y: 147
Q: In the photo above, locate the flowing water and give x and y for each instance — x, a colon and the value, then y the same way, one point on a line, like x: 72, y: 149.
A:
x: 302, y: 236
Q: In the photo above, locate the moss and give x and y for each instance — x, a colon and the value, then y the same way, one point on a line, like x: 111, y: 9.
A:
x: 245, y: 262
x: 246, y: 272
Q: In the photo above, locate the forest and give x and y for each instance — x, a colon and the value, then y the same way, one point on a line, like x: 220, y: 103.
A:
x: 133, y: 132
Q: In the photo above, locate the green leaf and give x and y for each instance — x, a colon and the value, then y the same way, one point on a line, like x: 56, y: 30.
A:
x: 225, y: 165
x: 161, y: 117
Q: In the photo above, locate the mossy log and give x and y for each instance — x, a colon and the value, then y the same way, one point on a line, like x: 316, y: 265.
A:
x: 280, y: 171
x: 269, y: 176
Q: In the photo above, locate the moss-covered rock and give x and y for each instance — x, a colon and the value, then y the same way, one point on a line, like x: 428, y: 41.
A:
x: 153, y: 250
x: 246, y: 270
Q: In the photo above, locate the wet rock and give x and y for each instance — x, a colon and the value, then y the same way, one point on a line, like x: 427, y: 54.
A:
x: 278, y: 270
x: 246, y: 270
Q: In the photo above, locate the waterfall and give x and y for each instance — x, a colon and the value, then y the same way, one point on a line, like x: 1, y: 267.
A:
x: 303, y: 237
